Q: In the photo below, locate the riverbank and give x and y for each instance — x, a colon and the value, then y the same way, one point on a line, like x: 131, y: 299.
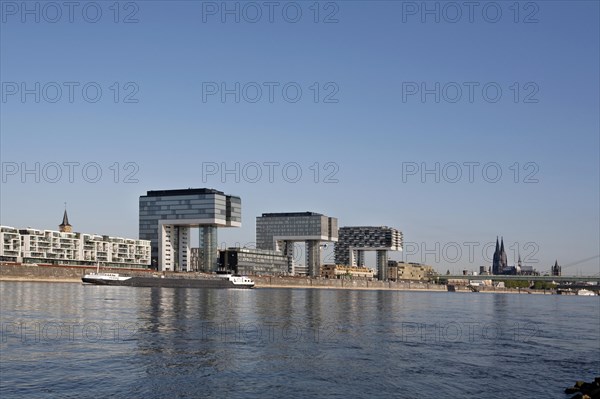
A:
x: 73, y: 274
x: 346, y: 284
x: 61, y: 274
x: 40, y: 280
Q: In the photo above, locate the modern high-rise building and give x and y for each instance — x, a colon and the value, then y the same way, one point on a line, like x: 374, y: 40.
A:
x: 279, y: 231
x: 354, y: 240
x: 166, y: 217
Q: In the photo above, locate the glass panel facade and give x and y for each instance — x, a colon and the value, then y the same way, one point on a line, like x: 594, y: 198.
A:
x: 191, y: 208
x: 367, y: 237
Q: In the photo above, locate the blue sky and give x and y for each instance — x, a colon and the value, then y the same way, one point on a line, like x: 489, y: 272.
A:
x: 370, y: 136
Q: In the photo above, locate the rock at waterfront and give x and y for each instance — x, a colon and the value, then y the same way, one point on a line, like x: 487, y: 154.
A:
x: 585, y: 390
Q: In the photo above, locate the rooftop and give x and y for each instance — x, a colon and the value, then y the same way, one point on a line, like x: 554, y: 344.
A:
x: 367, y: 228
x: 185, y: 191
x: 290, y: 214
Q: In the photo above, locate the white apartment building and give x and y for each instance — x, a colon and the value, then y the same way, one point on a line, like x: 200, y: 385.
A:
x: 55, y: 247
x: 10, y: 242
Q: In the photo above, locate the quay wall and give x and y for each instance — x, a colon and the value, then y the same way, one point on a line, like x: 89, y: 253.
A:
x: 303, y: 282
x: 50, y: 273
x: 24, y: 272
x: 42, y: 272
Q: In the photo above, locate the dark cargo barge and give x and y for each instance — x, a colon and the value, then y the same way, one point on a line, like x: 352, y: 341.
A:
x: 218, y: 281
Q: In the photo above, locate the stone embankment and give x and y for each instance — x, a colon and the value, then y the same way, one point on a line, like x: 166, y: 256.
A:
x: 40, y: 273
x: 12, y: 272
x: 358, y: 284
x: 49, y: 273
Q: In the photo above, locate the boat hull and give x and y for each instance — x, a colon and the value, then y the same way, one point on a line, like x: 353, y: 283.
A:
x: 167, y: 282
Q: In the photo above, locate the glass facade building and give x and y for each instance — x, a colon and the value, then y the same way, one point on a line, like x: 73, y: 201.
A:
x: 166, y: 216
x: 279, y: 231
x: 354, y: 240
x: 249, y: 261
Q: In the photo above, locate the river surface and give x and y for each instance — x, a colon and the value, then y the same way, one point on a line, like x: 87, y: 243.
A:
x: 74, y: 341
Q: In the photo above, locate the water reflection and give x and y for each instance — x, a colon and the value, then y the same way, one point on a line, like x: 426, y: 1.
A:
x: 280, y: 342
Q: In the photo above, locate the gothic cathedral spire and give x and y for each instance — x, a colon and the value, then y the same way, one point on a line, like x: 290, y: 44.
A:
x: 496, y: 262
x: 503, y: 258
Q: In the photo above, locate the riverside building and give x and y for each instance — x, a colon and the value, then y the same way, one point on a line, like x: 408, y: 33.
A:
x: 166, y: 217
x: 409, y: 271
x: 279, y: 231
x: 250, y: 261
x: 338, y: 271
x: 355, y: 240
x: 65, y: 247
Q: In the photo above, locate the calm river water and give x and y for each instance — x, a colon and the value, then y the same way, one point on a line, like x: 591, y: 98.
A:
x: 75, y: 341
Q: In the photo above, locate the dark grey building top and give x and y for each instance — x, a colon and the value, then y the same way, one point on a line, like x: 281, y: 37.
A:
x: 189, y: 191
x: 366, y: 227
x: 290, y: 214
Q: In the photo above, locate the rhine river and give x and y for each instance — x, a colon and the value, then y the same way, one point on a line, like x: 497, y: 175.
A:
x: 74, y: 341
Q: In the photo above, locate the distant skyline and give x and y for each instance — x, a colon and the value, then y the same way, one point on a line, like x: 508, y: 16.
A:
x: 400, y: 122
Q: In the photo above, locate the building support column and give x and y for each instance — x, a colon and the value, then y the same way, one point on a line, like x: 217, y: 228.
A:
x: 183, y: 252
x: 288, y: 250
x: 360, y: 258
x: 382, y: 265
x: 175, y: 232
x: 165, y: 247
x: 313, y: 258
x: 208, y: 241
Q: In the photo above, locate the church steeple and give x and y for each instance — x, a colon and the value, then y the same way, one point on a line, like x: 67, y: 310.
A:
x: 65, y: 227
x: 503, y: 258
x: 496, y: 262
x: 556, y: 269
